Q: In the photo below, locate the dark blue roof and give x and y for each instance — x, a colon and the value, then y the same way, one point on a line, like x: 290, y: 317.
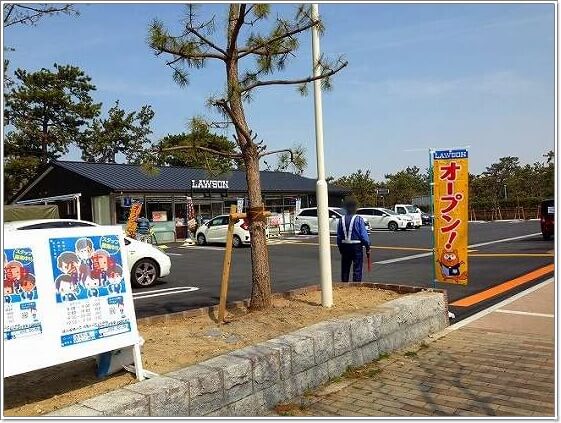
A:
x: 129, y: 178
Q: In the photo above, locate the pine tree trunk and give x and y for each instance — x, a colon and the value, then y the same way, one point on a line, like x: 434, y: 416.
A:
x: 261, y: 277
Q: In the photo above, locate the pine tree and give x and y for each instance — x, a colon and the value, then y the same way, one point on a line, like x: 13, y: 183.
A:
x: 120, y: 133
x: 48, y: 111
x: 249, y: 36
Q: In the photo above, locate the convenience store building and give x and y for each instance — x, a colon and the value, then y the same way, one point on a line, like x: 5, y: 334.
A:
x: 104, y: 192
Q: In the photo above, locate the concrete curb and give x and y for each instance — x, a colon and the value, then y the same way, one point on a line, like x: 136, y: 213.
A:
x: 209, y: 310
x: 252, y: 380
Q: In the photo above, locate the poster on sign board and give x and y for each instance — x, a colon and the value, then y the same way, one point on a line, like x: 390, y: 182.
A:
x: 451, y: 184
x: 159, y: 216
x: 83, y: 304
x: 21, y: 314
x: 89, y: 283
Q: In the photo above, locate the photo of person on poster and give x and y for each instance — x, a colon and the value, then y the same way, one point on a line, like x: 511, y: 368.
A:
x: 69, y: 264
x: 107, y: 271
x: 67, y: 288
x: 85, y: 251
x: 115, y: 278
x: 14, y: 273
x: 28, y: 287
x: 8, y: 290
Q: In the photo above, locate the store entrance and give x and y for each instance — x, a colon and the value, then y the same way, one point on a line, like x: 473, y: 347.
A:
x: 207, y: 209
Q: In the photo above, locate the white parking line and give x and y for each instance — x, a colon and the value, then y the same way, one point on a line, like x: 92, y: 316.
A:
x: 415, y: 256
x: 395, y: 260
x: 202, y: 247
x: 524, y: 313
x: 504, y: 240
x: 160, y: 290
x: 180, y: 291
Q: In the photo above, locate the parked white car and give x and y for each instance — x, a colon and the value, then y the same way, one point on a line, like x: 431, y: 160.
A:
x: 381, y: 218
x: 146, y: 262
x: 215, y: 230
x: 411, y: 211
x: 306, y: 221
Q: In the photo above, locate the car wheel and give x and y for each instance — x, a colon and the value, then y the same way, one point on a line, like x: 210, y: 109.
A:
x: 546, y: 237
x: 201, y: 240
x: 305, y: 230
x: 144, y: 273
x: 392, y: 226
x: 236, y: 241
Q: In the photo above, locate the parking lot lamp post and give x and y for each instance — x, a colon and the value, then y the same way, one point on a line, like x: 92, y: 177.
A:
x: 321, y: 184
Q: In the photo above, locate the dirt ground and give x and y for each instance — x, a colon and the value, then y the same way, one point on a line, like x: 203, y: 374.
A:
x: 180, y: 343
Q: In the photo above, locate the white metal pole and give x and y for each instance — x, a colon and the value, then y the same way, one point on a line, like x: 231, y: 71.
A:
x: 321, y: 184
x: 78, y: 213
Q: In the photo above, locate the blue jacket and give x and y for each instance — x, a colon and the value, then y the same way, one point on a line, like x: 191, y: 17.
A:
x: 359, y: 232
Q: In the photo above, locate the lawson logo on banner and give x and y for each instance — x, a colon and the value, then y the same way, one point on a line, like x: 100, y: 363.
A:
x: 450, y: 177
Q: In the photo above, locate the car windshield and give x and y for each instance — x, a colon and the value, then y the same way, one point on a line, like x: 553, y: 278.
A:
x: 411, y: 209
x: 388, y: 211
x: 342, y: 212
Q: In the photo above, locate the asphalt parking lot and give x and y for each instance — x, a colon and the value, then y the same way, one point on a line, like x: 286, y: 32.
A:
x: 501, y: 254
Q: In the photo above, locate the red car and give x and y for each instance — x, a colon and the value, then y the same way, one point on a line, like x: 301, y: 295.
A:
x: 547, y: 218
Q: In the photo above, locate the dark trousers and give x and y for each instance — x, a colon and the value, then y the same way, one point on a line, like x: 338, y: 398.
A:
x: 351, y: 254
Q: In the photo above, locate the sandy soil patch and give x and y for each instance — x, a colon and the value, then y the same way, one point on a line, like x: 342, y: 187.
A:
x: 179, y: 343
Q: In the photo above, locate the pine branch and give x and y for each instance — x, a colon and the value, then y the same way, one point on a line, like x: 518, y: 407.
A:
x: 8, y: 9
x: 264, y: 52
x: 294, y: 81
x: 194, y: 56
x: 284, y: 150
x: 34, y: 13
x: 251, y: 50
x: 205, y: 40
x: 206, y: 149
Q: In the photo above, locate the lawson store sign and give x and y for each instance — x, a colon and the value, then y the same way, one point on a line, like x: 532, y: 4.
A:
x: 208, y: 184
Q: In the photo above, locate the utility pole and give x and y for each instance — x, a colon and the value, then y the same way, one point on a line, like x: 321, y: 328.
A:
x: 321, y: 184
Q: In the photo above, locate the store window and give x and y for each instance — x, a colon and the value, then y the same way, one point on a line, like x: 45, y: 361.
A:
x: 274, y: 204
x: 158, y: 208
x: 123, y: 205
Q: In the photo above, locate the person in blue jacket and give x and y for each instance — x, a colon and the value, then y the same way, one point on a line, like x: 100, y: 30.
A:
x: 352, y: 236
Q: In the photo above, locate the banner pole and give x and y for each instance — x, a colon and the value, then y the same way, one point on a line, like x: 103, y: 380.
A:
x: 431, y: 184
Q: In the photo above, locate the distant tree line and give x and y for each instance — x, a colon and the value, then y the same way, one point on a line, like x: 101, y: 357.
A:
x: 505, y: 183
x: 50, y: 110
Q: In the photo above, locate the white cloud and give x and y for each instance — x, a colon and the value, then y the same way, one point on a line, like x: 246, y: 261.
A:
x: 499, y: 83
x: 437, y: 30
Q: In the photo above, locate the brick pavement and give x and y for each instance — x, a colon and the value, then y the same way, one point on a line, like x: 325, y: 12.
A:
x: 484, y: 368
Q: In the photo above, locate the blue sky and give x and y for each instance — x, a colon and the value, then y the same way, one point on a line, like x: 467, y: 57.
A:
x: 419, y: 75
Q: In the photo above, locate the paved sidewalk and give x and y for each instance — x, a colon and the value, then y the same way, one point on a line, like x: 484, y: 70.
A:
x: 501, y: 364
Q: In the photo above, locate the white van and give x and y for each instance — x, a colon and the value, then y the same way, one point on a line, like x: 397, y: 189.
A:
x: 410, y: 210
x: 306, y: 221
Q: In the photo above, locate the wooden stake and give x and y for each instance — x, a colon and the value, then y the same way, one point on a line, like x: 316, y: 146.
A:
x: 234, y: 217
